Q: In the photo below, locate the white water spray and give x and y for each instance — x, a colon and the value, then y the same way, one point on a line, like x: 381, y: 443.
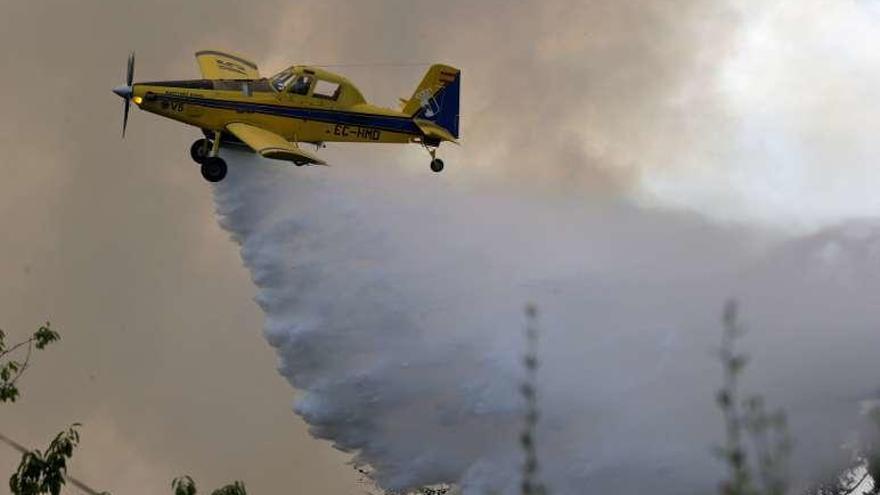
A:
x: 395, y: 306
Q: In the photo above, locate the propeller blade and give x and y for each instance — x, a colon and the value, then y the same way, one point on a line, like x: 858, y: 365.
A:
x: 129, y: 75
x: 125, y: 91
x: 127, y: 104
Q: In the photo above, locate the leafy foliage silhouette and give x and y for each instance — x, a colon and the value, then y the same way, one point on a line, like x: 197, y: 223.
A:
x: 11, y: 370
x: 44, y: 473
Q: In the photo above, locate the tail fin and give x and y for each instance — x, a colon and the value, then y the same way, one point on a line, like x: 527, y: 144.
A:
x: 436, y: 98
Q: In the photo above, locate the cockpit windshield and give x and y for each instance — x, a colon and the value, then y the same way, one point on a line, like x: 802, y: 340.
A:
x: 280, y: 80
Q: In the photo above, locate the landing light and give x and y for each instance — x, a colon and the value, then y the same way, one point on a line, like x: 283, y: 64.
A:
x: 137, y: 100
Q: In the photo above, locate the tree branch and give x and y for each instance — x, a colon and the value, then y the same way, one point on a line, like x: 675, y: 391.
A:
x: 73, y: 481
x: 29, y: 342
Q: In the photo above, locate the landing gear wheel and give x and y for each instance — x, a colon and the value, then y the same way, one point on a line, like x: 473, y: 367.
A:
x: 200, y: 149
x: 437, y: 165
x: 213, y: 169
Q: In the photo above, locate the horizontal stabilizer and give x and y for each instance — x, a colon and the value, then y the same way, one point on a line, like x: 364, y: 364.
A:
x: 432, y: 130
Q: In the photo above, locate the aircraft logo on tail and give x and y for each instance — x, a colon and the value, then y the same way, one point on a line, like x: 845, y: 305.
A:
x: 428, y: 103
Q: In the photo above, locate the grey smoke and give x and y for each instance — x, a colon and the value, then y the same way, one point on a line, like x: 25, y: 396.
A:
x: 395, y: 301
x: 394, y: 298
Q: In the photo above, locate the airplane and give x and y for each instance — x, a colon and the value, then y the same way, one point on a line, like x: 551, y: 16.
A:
x: 274, y: 116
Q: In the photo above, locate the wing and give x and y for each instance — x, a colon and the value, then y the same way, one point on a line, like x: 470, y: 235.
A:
x: 271, y: 145
x: 219, y: 65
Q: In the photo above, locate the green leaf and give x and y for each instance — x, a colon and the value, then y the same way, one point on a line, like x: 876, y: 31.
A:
x: 45, y: 336
x: 8, y: 392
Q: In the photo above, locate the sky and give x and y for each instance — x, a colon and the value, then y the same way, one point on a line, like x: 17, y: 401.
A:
x: 750, y: 116
x: 119, y: 248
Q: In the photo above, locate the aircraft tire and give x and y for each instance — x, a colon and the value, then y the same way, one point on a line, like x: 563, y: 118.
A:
x: 198, y: 150
x: 437, y: 165
x: 213, y: 169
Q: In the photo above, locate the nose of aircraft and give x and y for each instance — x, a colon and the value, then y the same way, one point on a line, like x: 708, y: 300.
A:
x: 123, y: 91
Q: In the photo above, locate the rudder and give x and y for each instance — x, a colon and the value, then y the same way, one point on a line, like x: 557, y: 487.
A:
x: 437, y: 98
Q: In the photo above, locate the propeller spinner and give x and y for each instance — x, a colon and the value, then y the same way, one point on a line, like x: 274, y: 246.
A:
x: 125, y: 91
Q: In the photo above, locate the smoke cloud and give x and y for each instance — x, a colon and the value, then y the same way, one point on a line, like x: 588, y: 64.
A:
x: 394, y: 299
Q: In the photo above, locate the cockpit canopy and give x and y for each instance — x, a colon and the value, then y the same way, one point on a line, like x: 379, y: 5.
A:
x: 316, y: 83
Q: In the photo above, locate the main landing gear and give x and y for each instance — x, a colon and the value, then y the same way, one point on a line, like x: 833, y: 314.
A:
x: 200, y: 149
x: 205, y: 152
x: 214, y: 169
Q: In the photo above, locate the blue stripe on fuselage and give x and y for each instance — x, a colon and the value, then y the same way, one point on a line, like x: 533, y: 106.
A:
x: 383, y: 122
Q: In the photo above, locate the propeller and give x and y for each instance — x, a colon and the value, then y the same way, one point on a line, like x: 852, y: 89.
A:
x: 125, y: 91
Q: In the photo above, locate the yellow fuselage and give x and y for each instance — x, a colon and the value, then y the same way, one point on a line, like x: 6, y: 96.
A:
x: 213, y: 104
